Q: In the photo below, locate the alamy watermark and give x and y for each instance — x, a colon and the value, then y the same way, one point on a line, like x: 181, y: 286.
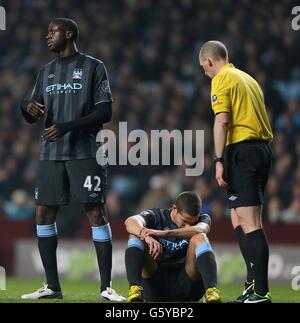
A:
x: 296, y: 280
x: 2, y: 278
x: 2, y: 19
x: 296, y: 20
x: 159, y: 147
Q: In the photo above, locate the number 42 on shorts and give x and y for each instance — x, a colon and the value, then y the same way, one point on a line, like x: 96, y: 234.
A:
x: 92, y: 183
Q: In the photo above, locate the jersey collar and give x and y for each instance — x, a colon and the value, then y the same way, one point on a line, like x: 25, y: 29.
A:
x: 229, y: 65
x: 68, y: 59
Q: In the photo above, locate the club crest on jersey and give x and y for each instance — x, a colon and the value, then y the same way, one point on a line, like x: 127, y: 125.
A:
x: 214, y: 98
x: 77, y: 74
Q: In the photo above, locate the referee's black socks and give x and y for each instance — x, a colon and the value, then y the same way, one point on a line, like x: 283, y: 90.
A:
x: 259, y: 254
x: 243, y: 243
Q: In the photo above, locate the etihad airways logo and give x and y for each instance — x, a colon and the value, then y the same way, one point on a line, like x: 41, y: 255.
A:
x: 174, y: 246
x: 65, y: 88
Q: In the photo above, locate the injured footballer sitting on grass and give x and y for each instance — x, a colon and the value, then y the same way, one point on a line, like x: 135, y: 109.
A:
x: 169, y: 257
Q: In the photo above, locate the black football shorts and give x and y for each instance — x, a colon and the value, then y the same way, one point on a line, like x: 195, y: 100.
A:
x: 172, y: 284
x: 247, y: 166
x: 84, y: 179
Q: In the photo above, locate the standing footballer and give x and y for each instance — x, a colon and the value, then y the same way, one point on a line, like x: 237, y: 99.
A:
x: 241, y: 124
x: 73, y: 96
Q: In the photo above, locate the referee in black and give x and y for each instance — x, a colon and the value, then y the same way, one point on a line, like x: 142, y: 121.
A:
x: 241, y: 124
x: 72, y: 97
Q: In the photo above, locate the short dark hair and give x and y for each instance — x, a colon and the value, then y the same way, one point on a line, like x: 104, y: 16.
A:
x: 69, y: 25
x: 189, y: 202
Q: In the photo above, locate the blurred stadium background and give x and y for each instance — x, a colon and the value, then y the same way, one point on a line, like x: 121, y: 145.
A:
x: 150, y: 49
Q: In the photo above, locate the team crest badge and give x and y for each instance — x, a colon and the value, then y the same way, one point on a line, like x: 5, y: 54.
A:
x: 77, y: 74
x: 214, y: 98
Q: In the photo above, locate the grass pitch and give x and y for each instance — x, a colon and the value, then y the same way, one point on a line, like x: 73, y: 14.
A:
x: 88, y: 291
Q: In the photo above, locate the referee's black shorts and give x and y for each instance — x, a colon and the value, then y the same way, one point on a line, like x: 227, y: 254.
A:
x: 247, y: 166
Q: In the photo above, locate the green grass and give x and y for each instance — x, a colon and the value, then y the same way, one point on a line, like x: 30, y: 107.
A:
x: 87, y: 291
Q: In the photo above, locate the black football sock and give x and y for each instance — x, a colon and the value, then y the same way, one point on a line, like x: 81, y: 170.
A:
x: 104, y: 258
x: 243, y: 243
x: 102, y: 238
x: 47, y: 243
x: 206, y: 265
x: 258, y: 246
x: 134, y: 261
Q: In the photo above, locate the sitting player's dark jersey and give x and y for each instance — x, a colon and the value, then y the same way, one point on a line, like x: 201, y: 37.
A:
x: 174, y: 248
x: 71, y: 88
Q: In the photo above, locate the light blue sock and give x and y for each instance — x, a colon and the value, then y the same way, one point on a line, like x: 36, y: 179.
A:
x: 46, y: 230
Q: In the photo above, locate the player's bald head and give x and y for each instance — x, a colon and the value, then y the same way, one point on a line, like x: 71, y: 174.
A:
x: 215, y: 50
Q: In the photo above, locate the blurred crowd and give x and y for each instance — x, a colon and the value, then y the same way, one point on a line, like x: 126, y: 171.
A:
x: 150, y: 49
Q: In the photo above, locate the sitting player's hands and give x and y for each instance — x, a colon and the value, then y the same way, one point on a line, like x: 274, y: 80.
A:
x: 145, y: 232
x: 155, y: 248
x: 36, y: 109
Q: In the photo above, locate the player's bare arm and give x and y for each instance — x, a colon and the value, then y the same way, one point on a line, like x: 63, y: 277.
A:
x: 187, y: 232
x: 220, y: 136
x: 135, y: 225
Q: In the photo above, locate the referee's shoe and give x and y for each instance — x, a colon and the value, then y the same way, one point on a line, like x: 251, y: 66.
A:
x: 247, y: 292
x: 255, y: 298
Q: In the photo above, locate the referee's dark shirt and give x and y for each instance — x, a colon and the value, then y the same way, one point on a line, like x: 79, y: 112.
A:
x: 174, y: 248
x: 71, y: 88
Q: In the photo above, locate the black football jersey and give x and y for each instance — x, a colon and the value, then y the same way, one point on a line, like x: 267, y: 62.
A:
x: 174, y: 248
x: 71, y: 88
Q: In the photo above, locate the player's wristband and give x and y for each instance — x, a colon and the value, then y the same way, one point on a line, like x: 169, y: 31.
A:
x: 218, y: 159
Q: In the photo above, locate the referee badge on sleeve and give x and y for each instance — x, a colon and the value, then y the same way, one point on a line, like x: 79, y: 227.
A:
x: 214, y: 98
